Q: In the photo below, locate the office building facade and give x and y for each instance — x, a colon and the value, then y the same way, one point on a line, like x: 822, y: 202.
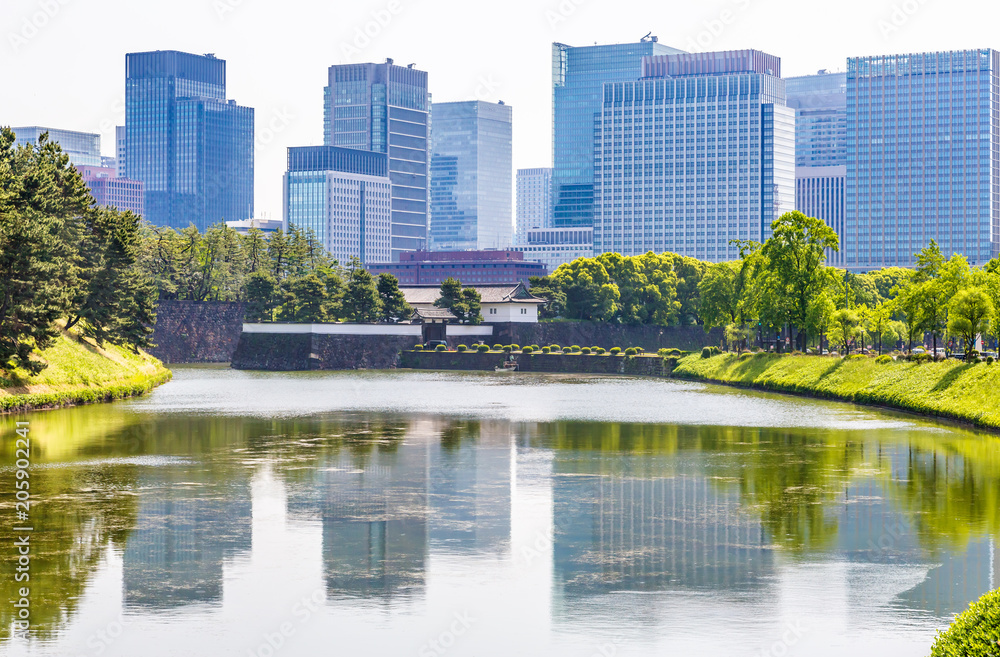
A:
x: 109, y: 190
x: 82, y: 148
x: 470, y: 182
x: 534, y: 202
x: 120, y: 151
x: 923, y: 157
x: 820, y: 104
x: 469, y: 267
x: 557, y: 246
x: 698, y: 153
x: 343, y: 196
x: 384, y: 108
x: 193, y: 149
x: 578, y: 78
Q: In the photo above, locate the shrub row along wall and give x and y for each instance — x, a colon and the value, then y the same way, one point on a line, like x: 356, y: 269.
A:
x: 192, y: 332
x: 283, y: 352
x: 589, y: 334
x: 563, y: 363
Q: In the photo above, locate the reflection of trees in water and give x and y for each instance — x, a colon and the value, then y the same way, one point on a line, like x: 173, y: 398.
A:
x: 795, y: 480
x: 77, y: 515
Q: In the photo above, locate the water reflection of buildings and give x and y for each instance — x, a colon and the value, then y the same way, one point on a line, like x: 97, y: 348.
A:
x: 470, y: 480
x: 444, y: 486
x: 188, y: 524
x: 621, y: 533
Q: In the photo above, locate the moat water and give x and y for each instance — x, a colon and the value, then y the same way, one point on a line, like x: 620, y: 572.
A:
x: 480, y: 515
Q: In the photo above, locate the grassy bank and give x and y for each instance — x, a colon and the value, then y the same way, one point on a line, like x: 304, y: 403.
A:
x: 949, y: 389
x: 80, y: 372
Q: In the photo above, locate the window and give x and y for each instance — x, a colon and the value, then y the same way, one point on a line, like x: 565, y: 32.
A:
x: 524, y: 311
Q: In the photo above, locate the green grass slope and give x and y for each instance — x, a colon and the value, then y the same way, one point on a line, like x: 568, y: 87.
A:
x: 948, y: 389
x: 80, y: 372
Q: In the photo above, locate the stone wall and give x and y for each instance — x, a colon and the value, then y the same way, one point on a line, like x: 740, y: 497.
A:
x: 562, y: 363
x: 589, y: 334
x: 299, y: 352
x: 193, y: 332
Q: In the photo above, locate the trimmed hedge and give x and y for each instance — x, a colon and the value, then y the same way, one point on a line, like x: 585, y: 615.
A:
x: 483, y: 348
x: 462, y: 348
x: 615, y: 351
x: 975, y: 633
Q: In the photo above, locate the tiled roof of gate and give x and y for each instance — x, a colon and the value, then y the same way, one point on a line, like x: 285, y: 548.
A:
x: 428, y: 294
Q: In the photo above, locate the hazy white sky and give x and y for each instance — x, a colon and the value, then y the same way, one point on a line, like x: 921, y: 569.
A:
x: 63, y: 61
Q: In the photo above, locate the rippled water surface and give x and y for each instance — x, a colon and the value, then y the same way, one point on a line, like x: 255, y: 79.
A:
x: 426, y: 514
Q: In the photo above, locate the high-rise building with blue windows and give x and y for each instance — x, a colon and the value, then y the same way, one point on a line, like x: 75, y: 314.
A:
x: 820, y: 104
x: 192, y: 148
x: 699, y: 152
x: 578, y: 78
x: 923, y: 157
x: 342, y: 195
x: 471, y: 176
x: 82, y: 148
x: 384, y: 108
x: 534, y: 202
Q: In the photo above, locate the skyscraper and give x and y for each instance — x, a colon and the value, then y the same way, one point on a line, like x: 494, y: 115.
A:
x: 120, y: 150
x: 191, y: 147
x: 471, y: 171
x: 111, y: 190
x: 342, y: 195
x: 820, y: 104
x: 578, y: 78
x: 82, y: 148
x: 384, y: 108
x: 697, y: 153
x: 534, y: 202
x: 923, y: 157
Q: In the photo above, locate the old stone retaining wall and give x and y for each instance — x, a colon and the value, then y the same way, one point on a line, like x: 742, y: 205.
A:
x: 283, y: 352
x: 562, y: 363
x: 589, y: 334
x: 193, y: 332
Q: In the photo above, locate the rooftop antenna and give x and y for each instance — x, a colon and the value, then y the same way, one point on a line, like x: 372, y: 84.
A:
x: 646, y: 38
x: 411, y: 65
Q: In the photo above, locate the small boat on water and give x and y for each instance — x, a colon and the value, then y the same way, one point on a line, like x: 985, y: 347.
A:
x: 508, y: 366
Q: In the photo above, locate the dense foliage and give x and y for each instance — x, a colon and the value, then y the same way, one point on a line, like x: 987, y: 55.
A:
x: 63, y: 259
x: 975, y: 633
x: 784, y: 288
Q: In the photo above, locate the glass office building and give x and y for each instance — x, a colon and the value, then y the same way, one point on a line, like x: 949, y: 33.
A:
x: 699, y: 152
x: 923, y: 157
x: 820, y: 104
x: 82, y: 148
x: 343, y: 196
x: 384, y: 108
x: 192, y: 149
x: 471, y: 176
x: 534, y: 202
x: 578, y: 78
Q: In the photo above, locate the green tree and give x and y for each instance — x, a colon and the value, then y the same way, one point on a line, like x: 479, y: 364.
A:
x: 303, y: 300
x: 844, y: 328
x: 794, y: 255
x: 42, y: 205
x: 118, y: 299
x: 689, y: 272
x: 876, y: 321
x: 971, y: 310
x: 392, y: 302
x: 591, y: 295
x: 550, y: 289
x: 820, y: 316
x: 260, y: 290
x: 361, y: 302
x: 647, y: 287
